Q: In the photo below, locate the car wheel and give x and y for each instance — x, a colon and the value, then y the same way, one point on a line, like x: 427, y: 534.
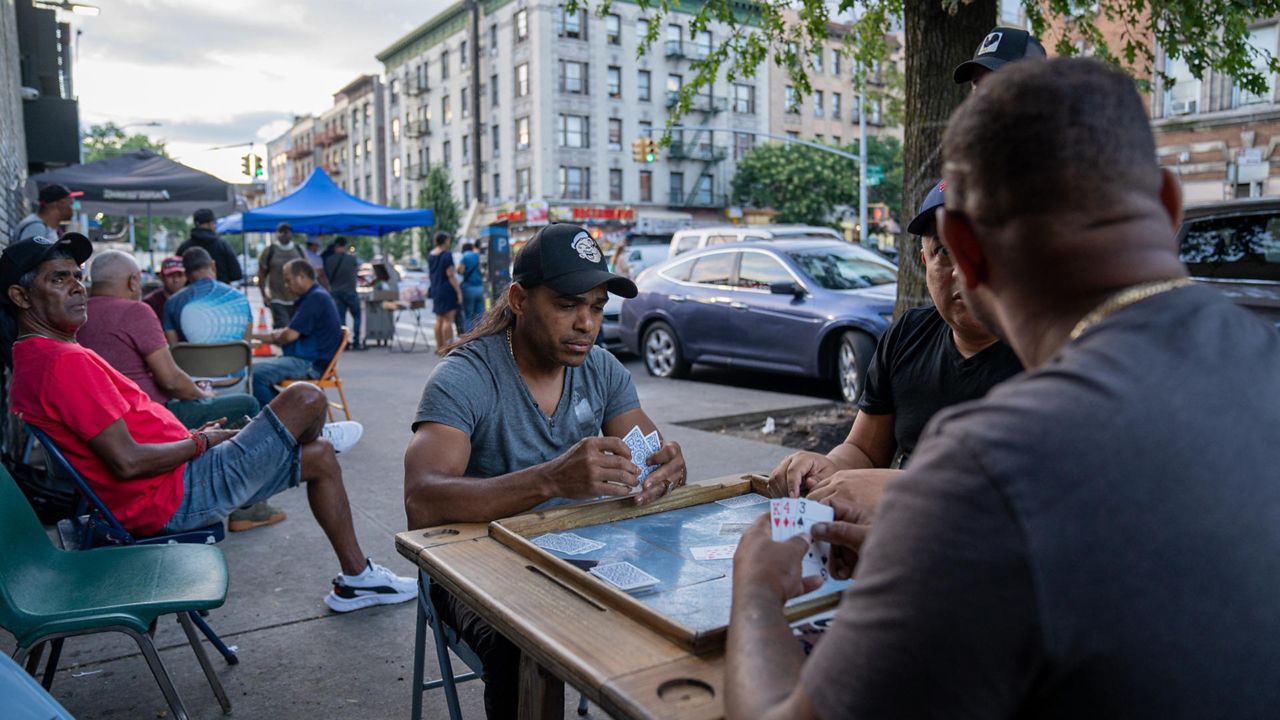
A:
x: 853, y: 355
x: 661, y: 351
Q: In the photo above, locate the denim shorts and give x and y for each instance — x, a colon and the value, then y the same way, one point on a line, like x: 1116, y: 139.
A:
x: 262, y: 460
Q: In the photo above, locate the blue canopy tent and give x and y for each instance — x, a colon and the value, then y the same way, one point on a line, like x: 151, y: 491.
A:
x: 321, y: 207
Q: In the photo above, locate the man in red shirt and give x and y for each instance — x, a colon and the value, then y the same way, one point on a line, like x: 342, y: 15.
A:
x: 156, y: 475
x: 174, y: 278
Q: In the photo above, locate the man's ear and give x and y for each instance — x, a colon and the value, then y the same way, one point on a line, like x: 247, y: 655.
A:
x: 18, y: 296
x: 956, y: 233
x: 1171, y: 197
x: 516, y: 297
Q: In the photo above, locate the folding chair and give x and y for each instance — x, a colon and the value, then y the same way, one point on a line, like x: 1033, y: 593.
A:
x: 217, y: 362
x: 446, y: 639
x: 98, y: 526
x: 48, y: 594
x: 329, y: 379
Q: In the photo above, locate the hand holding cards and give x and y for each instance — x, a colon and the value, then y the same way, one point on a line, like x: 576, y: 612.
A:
x: 789, y: 517
x: 642, y: 446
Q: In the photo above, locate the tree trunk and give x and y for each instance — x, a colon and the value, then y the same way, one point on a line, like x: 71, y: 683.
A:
x: 936, y: 42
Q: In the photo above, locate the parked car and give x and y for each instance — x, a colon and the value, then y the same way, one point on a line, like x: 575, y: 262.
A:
x: 611, y: 327
x: 695, y: 238
x: 811, y: 307
x: 1235, y: 246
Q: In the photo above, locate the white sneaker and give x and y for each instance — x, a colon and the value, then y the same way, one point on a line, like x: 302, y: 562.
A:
x: 342, y: 435
x: 375, y: 586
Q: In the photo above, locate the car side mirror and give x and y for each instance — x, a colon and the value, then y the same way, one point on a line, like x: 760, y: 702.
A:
x: 786, y: 288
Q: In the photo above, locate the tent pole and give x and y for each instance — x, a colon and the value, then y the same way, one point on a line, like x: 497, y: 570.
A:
x: 151, y: 239
x: 244, y: 244
x: 133, y: 242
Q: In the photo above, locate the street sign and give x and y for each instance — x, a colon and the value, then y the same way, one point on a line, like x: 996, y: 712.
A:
x: 875, y: 175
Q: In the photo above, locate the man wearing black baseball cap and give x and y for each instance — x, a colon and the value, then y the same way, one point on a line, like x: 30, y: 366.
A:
x: 523, y: 412
x: 55, y: 207
x: 1000, y: 47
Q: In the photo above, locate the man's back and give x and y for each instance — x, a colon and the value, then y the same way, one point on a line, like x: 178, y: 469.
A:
x: 340, y: 267
x: 1086, y: 538
x: 224, y: 256
x: 124, y: 332
x: 208, y: 311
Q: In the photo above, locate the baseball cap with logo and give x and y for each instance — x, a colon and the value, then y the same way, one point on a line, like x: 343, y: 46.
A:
x: 171, y: 265
x: 565, y: 258
x: 22, y: 257
x: 54, y: 193
x: 1001, y: 46
x: 923, y: 223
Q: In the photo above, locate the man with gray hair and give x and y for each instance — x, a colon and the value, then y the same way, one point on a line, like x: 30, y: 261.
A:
x: 1097, y: 537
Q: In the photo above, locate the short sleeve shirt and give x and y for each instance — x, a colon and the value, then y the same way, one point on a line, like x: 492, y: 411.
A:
x: 316, y: 320
x: 471, y: 269
x: 124, y: 332
x: 340, y: 267
x: 207, y: 311
x: 32, y: 226
x: 73, y: 394
x: 279, y: 256
x: 478, y: 389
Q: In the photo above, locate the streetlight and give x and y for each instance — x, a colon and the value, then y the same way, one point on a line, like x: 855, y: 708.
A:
x: 68, y: 6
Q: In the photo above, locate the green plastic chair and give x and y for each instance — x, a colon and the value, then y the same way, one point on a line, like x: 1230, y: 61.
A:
x: 47, y: 594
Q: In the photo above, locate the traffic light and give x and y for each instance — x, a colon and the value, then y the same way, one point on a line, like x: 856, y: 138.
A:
x: 638, y: 149
x: 257, y: 166
x: 244, y: 166
x: 650, y: 150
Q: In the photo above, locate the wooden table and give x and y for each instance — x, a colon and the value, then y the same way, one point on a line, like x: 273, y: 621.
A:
x: 619, y: 664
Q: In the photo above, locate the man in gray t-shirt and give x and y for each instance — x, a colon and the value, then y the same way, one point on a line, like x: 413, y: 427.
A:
x: 525, y: 411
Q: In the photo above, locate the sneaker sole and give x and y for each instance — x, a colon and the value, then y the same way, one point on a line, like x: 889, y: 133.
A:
x: 342, y: 605
x: 242, y: 525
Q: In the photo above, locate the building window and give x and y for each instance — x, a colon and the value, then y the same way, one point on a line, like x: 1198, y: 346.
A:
x: 521, y: 23
x: 395, y: 129
x: 674, y: 83
x: 368, y: 147
x: 675, y: 40
x: 446, y: 112
x: 462, y: 54
x: 522, y: 184
x: 613, y: 29
x: 1263, y: 42
x: 494, y: 136
x: 575, y: 183
x: 493, y: 39
x: 493, y: 90
x: 644, y: 85
x: 464, y: 97
x: 675, y: 189
x: 421, y: 77
x: 790, y: 101
x: 573, y: 77
x: 573, y: 25
x: 817, y: 60
x: 395, y: 167
x: 817, y: 104
x: 645, y: 129
x: 873, y: 112
x: 496, y: 186
x: 466, y: 192
x: 355, y: 187
x: 855, y: 112
x: 835, y: 106
x: 615, y: 133
x: 355, y: 118
x: 614, y: 79
x: 522, y: 133
x: 466, y: 149
x: 394, y: 89
x: 793, y: 135
x: 615, y: 185
x: 646, y: 186
x: 1183, y: 97
x: 445, y: 154
x: 742, y: 144
x: 573, y: 131
x: 702, y: 44
x: 744, y: 98
x: 835, y: 62
x: 444, y: 65
x: 837, y: 141
x: 702, y: 190
x: 522, y: 80
x: 356, y: 151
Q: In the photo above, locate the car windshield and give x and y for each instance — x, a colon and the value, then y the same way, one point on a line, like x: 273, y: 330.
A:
x: 844, y: 268
x: 1233, y: 246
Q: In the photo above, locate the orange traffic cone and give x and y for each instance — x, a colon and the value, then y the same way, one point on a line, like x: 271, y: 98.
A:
x: 263, y: 350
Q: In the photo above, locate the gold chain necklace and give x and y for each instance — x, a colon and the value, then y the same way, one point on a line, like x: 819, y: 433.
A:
x: 510, y: 348
x: 1125, y: 298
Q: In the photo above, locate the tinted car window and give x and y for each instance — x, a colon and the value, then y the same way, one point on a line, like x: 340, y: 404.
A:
x: 1235, y: 246
x: 844, y: 268
x: 713, y: 269
x: 759, y: 271
x: 679, y: 271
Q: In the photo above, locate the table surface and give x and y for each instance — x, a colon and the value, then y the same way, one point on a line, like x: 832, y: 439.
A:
x: 621, y: 665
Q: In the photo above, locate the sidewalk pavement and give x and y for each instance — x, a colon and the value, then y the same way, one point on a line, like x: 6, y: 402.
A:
x: 298, y: 659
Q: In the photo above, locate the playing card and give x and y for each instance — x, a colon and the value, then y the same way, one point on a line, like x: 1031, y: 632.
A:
x: 789, y: 517
x: 639, y: 451
x: 624, y: 576
x: 653, y: 442
x: 738, y: 501
x: 567, y: 543
x: 713, y: 552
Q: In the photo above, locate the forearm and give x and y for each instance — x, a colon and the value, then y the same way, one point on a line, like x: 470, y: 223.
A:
x: 847, y: 456
x: 183, y: 388
x: 438, y: 499
x: 145, y: 461
x: 763, y: 658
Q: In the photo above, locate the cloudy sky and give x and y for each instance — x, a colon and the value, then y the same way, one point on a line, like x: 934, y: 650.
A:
x: 231, y: 71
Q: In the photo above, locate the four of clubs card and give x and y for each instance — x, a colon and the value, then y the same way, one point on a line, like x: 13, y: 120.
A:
x: 789, y: 517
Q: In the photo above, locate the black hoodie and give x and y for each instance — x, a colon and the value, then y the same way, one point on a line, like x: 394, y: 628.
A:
x: 223, y: 256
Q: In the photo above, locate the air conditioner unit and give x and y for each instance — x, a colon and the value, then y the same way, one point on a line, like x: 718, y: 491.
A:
x: 1184, y: 107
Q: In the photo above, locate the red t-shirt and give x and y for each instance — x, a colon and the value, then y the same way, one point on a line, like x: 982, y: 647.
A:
x: 72, y: 394
x: 124, y: 332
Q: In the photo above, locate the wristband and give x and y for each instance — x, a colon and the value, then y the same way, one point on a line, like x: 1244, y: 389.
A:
x: 202, y: 443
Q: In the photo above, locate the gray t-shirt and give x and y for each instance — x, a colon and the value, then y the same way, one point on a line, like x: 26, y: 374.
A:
x: 33, y: 226
x: 478, y: 390
x: 1099, y: 537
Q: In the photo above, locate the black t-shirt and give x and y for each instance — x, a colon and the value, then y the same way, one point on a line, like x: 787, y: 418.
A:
x: 1097, y: 538
x: 917, y: 371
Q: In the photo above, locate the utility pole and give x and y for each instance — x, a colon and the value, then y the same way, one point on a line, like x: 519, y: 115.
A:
x: 477, y: 176
x: 862, y: 161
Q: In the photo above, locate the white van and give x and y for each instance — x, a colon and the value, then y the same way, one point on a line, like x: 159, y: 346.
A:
x: 695, y: 238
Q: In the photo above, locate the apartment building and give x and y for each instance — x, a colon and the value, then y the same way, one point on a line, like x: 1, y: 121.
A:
x: 562, y: 97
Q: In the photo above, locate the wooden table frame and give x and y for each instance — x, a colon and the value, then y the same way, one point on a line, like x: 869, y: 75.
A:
x: 565, y: 635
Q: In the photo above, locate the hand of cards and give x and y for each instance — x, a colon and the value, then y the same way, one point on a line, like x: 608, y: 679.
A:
x: 789, y: 517
x: 642, y: 446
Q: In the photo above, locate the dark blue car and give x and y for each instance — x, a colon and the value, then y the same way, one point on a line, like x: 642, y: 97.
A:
x: 802, y: 307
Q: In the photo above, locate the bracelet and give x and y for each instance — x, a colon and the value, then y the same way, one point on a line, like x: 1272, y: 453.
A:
x: 202, y: 443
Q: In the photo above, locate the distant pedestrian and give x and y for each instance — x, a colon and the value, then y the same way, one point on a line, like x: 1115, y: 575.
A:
x: 472, y: 286
x: 275, y: 293
x: 317, y: 261
x: 446, y: 294
x: 341, y: 266
x: 205, y: 235
x: 1000, y: 47
x: 55, y: 207
x: 172, y: 279
x: 206, y: 310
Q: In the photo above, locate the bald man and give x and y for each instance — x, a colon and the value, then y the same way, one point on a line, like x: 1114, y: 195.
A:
x: 127, y: 334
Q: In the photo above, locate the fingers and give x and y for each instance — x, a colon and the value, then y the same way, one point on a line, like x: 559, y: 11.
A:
x: 844, y: 534
x: 796, y: 473
x: 822, y: 490
x: 849, y: 511
x: 610, y: 444
x: 809, y: 583
x: 778, y: 478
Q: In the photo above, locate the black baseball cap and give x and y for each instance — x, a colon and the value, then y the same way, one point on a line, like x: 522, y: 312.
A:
x: 923, y: 223
x: 567, y: 259
x: 55, y: 192
x: 1001, y: 46
x: 24, y: 256
x: 203, y: 215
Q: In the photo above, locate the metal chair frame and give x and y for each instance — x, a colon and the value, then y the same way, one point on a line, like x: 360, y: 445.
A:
x: 329, y: 379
